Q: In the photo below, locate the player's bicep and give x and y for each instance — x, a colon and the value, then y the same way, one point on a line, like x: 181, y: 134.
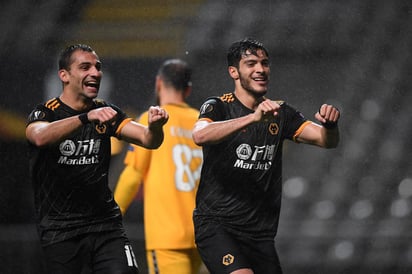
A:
x: 310, y: 134
x: 133, y: 132
x: 34, y: 129
x: 200, y: 131
x: 201, y: 124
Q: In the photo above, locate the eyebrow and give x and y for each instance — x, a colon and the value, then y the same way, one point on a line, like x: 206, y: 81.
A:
x: 98, y: 63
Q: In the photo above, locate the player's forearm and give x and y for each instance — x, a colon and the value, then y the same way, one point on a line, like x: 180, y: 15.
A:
x: 214, y: 132
x: 154, y: 137
x: 150, y: 137
x: 44, y: 133
x: 330, y: 137
x: 153, y: 134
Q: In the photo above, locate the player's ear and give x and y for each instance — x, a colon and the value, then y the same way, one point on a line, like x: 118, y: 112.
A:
x: 63, y: 75
x: 233, y: 72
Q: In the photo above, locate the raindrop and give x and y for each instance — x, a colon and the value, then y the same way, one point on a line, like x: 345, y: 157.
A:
x: 361, y: 209
x: 325, y: 209
x: 294, y: 187
x: 344, y: 250
x: 405, y: 188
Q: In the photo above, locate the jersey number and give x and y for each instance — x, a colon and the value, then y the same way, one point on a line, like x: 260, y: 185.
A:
x: 187, y: 171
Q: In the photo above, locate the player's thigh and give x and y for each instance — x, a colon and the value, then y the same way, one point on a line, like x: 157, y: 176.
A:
x: 263, y: 255
x: 221, y: 252
x: 165, y: 261
x: 70, y: 256
x: 224, y: 252
x: 114, y: 254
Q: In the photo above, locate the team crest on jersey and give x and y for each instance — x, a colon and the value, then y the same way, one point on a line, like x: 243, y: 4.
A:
x: 228, y: 259
x: 274, y: 128
x: 101, y: 128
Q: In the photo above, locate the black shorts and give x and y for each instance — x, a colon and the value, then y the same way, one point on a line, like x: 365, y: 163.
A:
x: 225, y: 252
x: 103, y: 253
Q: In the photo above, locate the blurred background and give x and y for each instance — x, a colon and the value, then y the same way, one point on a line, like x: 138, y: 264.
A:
x: 346, y: 210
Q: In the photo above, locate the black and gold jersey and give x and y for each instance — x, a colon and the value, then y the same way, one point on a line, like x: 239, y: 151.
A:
x: 241, y: 180
x: 70, y: 178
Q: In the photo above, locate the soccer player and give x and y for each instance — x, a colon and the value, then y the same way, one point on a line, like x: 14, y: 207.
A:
x: 239, y: 195
x: 79, y: 223
x: 170, y: 177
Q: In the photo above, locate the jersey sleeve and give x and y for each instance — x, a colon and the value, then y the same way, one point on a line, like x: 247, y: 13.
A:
x: 294, y: 120
x: 41, y: 113
x: 212, y: 109
x: 121, y: 120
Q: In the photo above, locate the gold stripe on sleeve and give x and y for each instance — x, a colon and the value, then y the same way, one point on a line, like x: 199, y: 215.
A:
x: 300, y: 129
x: 122, y: 124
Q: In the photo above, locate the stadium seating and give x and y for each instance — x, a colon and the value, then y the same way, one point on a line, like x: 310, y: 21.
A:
x: 140, y: 29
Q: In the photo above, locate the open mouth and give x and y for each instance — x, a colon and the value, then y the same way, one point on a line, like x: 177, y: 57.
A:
x: 92, y: 84
x: 260, y: 80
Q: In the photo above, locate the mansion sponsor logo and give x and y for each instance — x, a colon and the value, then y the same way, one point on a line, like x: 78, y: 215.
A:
x: 83, y: 152
x: 78, y: 161
x: 257, y: 157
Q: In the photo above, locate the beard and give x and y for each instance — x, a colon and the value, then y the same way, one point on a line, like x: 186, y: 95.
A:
x: 245, y: 82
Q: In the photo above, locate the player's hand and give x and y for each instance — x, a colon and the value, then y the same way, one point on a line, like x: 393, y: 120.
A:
x: 266, y: 110
x: 328, y: 115
x: 102, y: 115
x: 157, y: 117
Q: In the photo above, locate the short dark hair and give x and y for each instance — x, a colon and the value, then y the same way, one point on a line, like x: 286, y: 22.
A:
x: 176, y: 73
x: 66, y: 54
x: 239, y: 48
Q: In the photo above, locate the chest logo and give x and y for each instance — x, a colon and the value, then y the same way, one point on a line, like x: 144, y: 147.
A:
x: 244, y: 151
x: 67, y: 148
x: 274, y: 128
x: 101, y: 129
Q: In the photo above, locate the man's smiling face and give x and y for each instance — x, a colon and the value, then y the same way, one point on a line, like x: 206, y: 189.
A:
x: 85, y: 74
x: 254, y: 72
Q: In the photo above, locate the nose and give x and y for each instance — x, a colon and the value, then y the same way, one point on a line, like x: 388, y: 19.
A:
x: 95, y: 71
x: 259, y: 67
